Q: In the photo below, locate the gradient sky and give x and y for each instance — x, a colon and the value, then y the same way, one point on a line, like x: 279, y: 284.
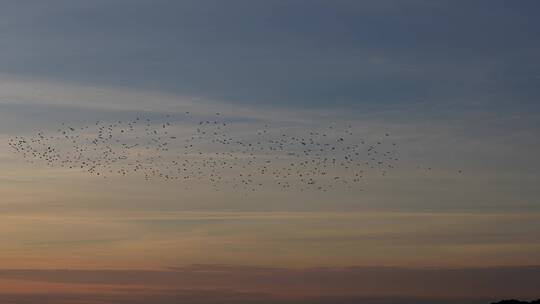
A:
x: 456, y: 83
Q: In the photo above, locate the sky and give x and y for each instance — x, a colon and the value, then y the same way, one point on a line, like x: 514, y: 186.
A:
x: 454, y: 83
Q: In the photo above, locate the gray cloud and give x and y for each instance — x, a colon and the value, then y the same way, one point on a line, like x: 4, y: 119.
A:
x: 252, y: 284
x: 297, y: 53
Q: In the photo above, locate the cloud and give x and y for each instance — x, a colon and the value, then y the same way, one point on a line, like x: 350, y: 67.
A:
x: 300, y: 54
x: 132, y: 234
x: 212, y: 297
x: 249, y: 284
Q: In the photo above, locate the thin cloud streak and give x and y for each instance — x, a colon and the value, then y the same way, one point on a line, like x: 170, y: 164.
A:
x: 121, y: 239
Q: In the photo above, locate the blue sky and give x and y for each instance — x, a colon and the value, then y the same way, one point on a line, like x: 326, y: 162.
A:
x: 454, y: 83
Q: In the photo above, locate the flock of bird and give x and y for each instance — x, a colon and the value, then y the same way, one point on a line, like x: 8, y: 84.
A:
x: 214, y: 152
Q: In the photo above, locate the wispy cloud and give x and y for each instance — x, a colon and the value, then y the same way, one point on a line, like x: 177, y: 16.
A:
x: 116, y: 238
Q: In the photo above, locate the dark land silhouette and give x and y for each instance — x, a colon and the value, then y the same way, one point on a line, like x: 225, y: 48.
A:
x: 514, y: 301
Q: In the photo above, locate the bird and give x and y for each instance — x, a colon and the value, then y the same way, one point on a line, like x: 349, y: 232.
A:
x: 155, y: 148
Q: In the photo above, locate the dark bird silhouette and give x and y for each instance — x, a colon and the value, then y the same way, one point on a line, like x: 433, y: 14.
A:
x: 157, y: 148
